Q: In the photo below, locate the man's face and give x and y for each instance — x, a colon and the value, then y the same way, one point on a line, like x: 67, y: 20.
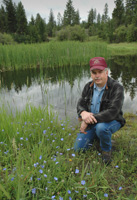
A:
x: 99, y: 77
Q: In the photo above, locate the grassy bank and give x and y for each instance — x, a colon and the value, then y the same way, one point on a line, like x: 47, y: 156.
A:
x: 123, y: 49
x: 50, y: 54
x: 38, y: 160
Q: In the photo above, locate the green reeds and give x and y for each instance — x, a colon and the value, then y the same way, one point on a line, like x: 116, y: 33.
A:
x: 52, y: 54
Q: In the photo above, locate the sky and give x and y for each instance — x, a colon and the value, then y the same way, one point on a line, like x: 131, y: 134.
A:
x: 32, y: 7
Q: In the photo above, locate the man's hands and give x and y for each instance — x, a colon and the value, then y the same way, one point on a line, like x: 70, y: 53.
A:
x: 88, y: 117
x: 83, y: 127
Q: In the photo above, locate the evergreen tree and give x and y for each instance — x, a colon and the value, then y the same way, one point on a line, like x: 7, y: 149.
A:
x: 3, y: 20
x: 69, y: 14
x: 59, y: 21
x: 118, y: 14
x: 76, y: 18
x: 51, y: 24
x: 41, y: 28
x: 91, y: 17
x: 131, y: 11
x: 21, y: 19
x: 33, y: 31
x: 106, y: 13
x: 11, y: 15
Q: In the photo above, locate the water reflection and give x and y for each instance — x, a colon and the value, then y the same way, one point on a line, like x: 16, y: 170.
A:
x: 62, y: 87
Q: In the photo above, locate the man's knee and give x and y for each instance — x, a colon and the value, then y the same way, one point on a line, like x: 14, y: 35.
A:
x: 100, y: 129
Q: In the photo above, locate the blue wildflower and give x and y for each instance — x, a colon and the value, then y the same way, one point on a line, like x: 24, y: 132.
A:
x: 76, y: 171
x: 70, y: 198
x: 4, y: 169
x: 40, y: 157
x: 44, y: 131
x: 120, y: 188
x: 34, y: 191
x: 105, y: 195
x: 83, y: 182
x: 69, y: 192
x: 53, y: 197
x: 55, y: 178
x: 60, y: 198
x: 62, y: 139
x: 12, y: 178
x: 41, y: 171
x: 73, y: 155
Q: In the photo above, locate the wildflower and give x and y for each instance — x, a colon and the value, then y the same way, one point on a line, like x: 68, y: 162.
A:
x: 62, y: 139
x: 56, y: 163
x: 17, y: 132
x: 21, y: 138
x: 34, y: 191
x: 26, y: 138
x: 70, y: 198
x: 76, y: 171
x: 76, y: 191
x: 40, y: 157
x: 54, y: 159
x: 53, y: 197
x: 73, y: 155
x: 68, y: 149
x: 42, y: 166
x: 61, y: 153
x: 99, y: 154
x: 69, y: 192
x: 53, y: 140
x: 120, y: 188
x: 35, y: 164
x: 45, y: 175
x: 88, y: 173
x: 38, y: 179
x: 57, y: 147
x: 85, y: 195
x: 41, y: 171
x: 69, y: 133
x: 83, y: 182
x: 12, y: 178
x: 116, y: 166
x: 70, y: 160
x: 44, y: 131
x: 4, y: 169
x: 55, y: 178
x: 45, y: 161
x: 51, y: 121
x: 63, y: 128
x: 60, y: 198
x: 105, y: 195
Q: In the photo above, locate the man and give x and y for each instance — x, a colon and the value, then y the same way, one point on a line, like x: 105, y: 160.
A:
x: 100, y: 109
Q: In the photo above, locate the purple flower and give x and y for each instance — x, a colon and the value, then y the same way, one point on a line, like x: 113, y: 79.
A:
x: 116, y: 166
x: 69, y: 192
x: 120, y: 188
x: 105, y: 195
x: 73, y: 155
x: 40, y: 157
x: 34, y: 191
x: 62, y: 139
x: 70, y: 198
x: 60, y: 198
x: 41, y: 171
x: 38, y: 179
x: 83, y: 182
x: 76, y: 171
x: 44, y: 131
x: 55, y: 178
x: 4, y: 169
x: 21, y: 138
x: 45, y: 175
x: 12, y: 178
x: 53, y: 197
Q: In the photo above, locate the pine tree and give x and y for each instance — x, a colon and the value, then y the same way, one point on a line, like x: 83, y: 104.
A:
x: 131, y: 11
x: 91, y: 17
x: 3, y: 20
x: 69, y: 14
x: 51, y: 24
x: 11, y: 15
x: 118, y: 14
x: 21, y: 19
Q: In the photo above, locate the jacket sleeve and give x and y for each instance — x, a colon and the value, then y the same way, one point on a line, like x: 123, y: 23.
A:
x: 110, y: 108
x: 84, y: 99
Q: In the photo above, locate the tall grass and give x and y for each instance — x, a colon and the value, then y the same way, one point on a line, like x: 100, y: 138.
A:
x: 37, y: 160
x: 50, y: 54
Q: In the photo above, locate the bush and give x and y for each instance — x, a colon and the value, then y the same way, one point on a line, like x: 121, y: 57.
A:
x: 6, y: 38
x: 120, y: 34
x: 131, y: 33
x: 72, y: 33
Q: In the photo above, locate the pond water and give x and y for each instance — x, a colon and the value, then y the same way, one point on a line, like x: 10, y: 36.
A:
x: 62, y: 87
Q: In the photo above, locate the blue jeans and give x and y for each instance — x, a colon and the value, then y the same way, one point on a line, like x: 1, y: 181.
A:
x: 102, y: 131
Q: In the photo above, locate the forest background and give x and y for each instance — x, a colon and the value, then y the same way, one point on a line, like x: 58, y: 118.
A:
x: 122, y: 27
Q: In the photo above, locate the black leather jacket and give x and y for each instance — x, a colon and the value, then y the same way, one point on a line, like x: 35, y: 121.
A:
x: 111, y: 103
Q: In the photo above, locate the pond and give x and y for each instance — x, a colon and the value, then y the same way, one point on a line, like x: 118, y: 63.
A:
x: 62, y: 87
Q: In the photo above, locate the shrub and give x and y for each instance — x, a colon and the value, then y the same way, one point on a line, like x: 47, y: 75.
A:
x: 72, y: 33
x: 6, y: 38
x: 120, y: 34
x: 131, y: 33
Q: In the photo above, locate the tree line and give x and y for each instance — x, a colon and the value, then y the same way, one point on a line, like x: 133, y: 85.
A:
x: 122, y: 27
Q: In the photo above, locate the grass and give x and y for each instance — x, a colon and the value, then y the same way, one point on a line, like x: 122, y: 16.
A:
x: 38, y: 160
x: 123, y: 48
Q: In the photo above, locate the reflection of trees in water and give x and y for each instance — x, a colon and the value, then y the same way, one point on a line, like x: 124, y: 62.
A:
x: 126, y: 68
x: 19, y: 78
x: 123, y: 67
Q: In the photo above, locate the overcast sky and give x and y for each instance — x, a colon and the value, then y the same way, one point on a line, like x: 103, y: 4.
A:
x: 32, y: 7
